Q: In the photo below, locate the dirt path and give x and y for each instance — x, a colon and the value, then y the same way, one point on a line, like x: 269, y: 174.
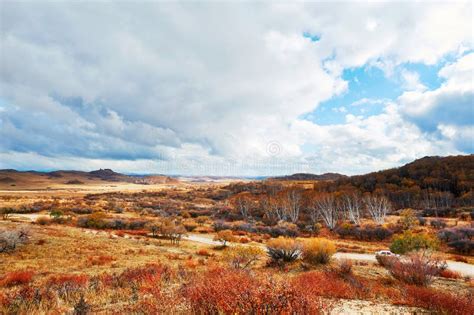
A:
x: 463, y: 268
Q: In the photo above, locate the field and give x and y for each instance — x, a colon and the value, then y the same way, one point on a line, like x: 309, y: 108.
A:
x: 209, y: 247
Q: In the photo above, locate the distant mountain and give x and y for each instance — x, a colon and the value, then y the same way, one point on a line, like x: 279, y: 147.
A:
x: 12, y: 179
x: 308, y: 176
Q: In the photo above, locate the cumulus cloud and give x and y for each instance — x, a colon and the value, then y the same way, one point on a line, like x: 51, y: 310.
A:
x: 450, y: 104
x: 178, y: 86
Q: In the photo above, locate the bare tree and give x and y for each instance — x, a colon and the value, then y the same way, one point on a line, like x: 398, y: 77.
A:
x: 352, y: 207
x: 378, y: 207
x: 276, y: 209
x: 244, y: 205
x: 313, y: 212
x: 327, y: 209
x: 293, y: 205
x: 437, y: 200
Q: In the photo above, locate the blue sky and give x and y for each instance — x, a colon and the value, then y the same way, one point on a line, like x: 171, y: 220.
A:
x: 209, y: 89
x: 369, y: 82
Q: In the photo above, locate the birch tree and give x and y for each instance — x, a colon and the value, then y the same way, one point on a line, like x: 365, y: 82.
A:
x: 378, y: 207
x: 293, y: 205
x: 327, y: 209
x: 352, y: 205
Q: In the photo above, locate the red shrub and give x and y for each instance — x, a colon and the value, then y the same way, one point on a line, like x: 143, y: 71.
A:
x: 446, y: 273
x: 460, y: 259
x: 66, y: 285
x: 232, y: 291
x: 150, y: 273
x: 419, y: 268
x: 325, y: 284
x: 16, y: 278
x: 203, y: 252
x: 244, y: 240
x: 437, y: 301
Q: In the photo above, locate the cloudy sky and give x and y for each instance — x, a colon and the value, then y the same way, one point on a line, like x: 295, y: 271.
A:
x: 239, y: 88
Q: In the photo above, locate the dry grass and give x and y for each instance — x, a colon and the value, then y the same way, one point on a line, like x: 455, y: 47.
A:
x: 128, y: 272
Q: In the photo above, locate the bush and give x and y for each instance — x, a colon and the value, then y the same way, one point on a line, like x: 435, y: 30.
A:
x: 43, y: 220
x: 438, y: 224
x: 220, y: 226
x: 446, y: 212
x: 190, y: 225
x: 462, y: 246
x: 449, y: 274
x: 225, y: 236
x: 421, y: 221
x: 408, y: 219
x: 318, y: 251
x: 94, y: 220
x: 203, y: 252
x: 407, y: 242
x: 460, y: 239
x: 67, y: 286
x: 9, y: 240
x: 418, y: 268
x: 329, y: 285
x: 283, y: 250
x: 343, y: 269
x: 366, y: 233
x: 137, y: 224
x: 5, y: 212
x: 242, y: 257
x: 386, y: 261
x: 223, y: 291
x: 16, y: 278
x: 438, y: 302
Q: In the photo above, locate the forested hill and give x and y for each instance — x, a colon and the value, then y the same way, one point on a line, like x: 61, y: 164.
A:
x: 425, y: 182
x: 307, y: 176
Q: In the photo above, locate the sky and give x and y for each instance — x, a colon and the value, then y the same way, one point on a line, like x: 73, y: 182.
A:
x: 235, y: 88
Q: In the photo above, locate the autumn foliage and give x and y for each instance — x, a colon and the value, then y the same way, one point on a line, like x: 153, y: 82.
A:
x: 16, y: 278
x: 222, y: 291
x: 318, y: 251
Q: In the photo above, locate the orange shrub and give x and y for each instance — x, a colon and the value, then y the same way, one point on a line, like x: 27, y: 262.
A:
x: 318, y: 251
x: 43, y: 221
x: 16, y: 278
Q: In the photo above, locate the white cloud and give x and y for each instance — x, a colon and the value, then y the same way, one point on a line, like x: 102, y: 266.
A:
x: 369, y: 101
x: 411, y: 81
x: 139, y: 86
x: 450, y: 104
